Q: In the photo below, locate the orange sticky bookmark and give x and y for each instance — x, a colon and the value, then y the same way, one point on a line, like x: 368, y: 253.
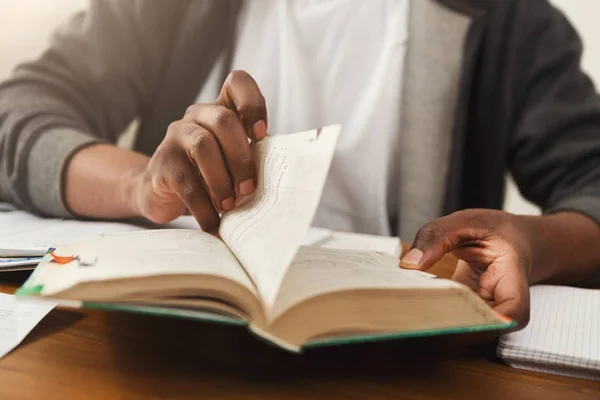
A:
x: 505, y: 318
x: 62, y: 259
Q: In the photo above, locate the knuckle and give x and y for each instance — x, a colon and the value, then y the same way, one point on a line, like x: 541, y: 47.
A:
x: 431, y: 233
x: 189, y: 192
x: 191, y: 109
x: 166, y: 152
x: 177, y: 176
x: 159, y: 154
x: 189, y: 129
x: 237, y: 75
x: 173, y: 128
x: 224, y: 116
x: 244, y: 165
x: 202, y: 141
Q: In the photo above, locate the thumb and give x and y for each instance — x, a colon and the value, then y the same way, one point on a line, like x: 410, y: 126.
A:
x: 429, y: 246
x: 442, y: 236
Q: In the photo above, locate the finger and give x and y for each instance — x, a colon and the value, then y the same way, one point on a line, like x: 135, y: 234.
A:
x: 183, y: 179
x: 510, y: 291
x: 230, y: 133
x: 481, y: 255
x: 515, y: 310
x: 467, y: 275
x: 203, y: 150
x: 241, y: 93
x: 445, y: 235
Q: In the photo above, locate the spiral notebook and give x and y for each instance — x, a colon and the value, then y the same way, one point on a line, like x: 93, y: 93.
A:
x: 563, y: 335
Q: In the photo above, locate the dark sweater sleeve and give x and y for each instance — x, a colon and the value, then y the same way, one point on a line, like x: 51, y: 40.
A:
x: 98, y: 73
x: 554, y: 152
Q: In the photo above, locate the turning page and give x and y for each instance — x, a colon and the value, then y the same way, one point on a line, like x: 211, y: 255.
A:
x: 265, y: 233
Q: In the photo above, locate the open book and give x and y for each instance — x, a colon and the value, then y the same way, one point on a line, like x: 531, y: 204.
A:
x: 258, y: 274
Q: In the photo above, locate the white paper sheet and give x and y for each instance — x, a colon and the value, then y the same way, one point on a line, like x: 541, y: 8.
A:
x: 25, y: 235
x: 6, y: 207
x: 18, y: 317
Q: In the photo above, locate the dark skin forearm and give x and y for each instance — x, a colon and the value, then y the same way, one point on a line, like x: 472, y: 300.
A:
x: 565, y: 248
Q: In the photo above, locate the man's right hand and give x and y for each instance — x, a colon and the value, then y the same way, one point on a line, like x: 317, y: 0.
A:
x: 205, y: 164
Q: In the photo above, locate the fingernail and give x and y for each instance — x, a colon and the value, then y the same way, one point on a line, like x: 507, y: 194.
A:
x: 413, y: 257
x: 228, y: 204
x: 246, y: 187
x: 259, y: 130
x: 404, y: 265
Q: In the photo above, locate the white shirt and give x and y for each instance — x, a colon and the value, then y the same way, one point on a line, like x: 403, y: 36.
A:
x: 320, y: 62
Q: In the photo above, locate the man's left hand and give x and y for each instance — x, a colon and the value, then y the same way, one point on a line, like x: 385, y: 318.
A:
x: 494, y: 251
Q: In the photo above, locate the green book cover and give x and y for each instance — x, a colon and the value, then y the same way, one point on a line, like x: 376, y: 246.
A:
x: 32, y: 287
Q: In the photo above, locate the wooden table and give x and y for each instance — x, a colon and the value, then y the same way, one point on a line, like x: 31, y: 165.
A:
x: 76, y: 354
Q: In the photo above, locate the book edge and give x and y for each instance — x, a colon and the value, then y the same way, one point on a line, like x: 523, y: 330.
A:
x: 379, y: 337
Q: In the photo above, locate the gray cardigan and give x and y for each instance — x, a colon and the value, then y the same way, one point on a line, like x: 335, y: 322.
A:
x: 490, y: 86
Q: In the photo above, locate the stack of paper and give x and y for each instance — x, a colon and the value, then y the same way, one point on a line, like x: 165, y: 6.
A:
x: 24, y: 237
x: 10, y: 262
x: 563, y: 336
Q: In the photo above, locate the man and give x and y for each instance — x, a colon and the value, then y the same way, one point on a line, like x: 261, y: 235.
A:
x: 437, y: 99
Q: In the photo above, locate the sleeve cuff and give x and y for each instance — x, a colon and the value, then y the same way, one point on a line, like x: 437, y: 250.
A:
x: 47, y: 163
x: 587, y: 205
x: 594, y: 280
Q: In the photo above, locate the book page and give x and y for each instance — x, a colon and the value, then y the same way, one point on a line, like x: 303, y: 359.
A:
x: 316, y: 271
x: 265, y: 233
x: 359, y: 241
x: 141, y: 254
x: 563, y: 332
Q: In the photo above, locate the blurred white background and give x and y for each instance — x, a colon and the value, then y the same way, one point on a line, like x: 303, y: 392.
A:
x: 25, y: 26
